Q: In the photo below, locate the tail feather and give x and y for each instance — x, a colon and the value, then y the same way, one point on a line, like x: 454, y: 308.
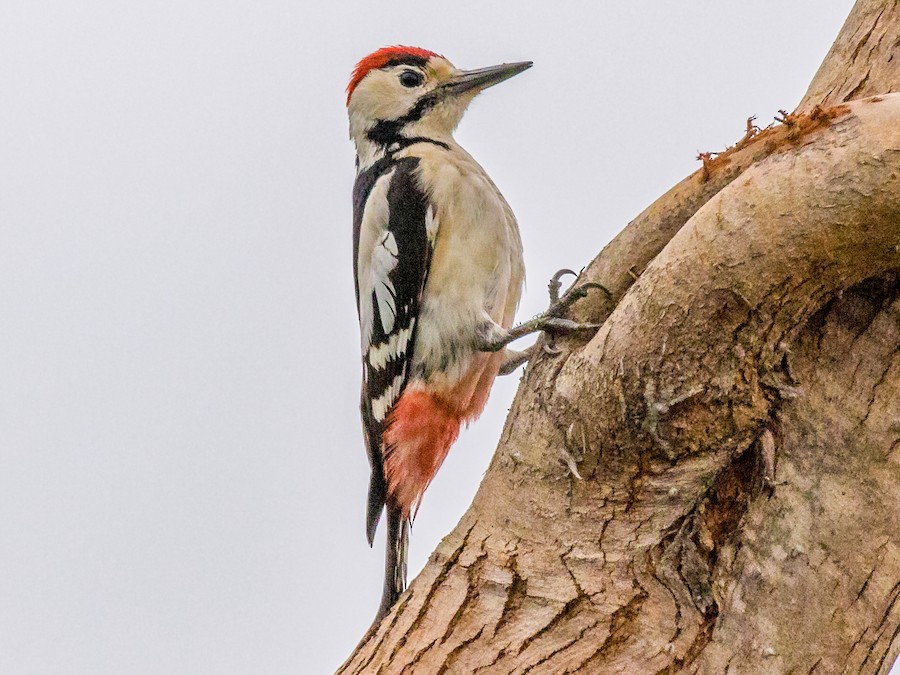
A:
x: 421, y: 427
x: 375, y: 504
x: 394, y: 560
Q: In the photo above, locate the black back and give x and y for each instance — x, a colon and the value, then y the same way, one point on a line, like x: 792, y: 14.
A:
x: 408, y: 206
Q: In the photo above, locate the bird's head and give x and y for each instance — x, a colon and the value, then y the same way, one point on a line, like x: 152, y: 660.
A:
x: 399, y: 93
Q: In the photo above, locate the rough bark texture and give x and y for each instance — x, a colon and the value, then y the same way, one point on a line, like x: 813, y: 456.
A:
x: 864, y: 59
x: 630, y: 521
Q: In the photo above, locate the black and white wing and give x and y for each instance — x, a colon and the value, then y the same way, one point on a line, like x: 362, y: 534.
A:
x: 393, y: 229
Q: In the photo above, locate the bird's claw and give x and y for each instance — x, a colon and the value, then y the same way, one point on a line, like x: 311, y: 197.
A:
x: 552, y: 321
x: 559, y: 305
x: 555, y: 284
x: 582, y: 290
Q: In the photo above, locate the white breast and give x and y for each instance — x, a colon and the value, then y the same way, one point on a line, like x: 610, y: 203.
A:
x: 476, y: 272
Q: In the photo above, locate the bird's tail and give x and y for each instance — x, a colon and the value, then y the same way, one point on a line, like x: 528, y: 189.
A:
x: 394, y: 560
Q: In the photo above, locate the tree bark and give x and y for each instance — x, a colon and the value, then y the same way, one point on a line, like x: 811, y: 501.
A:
x: 631, y: 520
x: 864, y: 59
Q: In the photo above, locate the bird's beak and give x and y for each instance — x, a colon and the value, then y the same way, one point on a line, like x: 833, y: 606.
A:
x: 478, y: 80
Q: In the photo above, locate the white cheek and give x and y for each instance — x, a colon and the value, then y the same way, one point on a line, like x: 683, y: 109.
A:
x: 380, y: 96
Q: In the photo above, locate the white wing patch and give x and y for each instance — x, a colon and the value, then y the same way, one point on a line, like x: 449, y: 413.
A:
x: 383, y: 403
x: 384, y: 260
x: 394, y: 347
x: 431, y: 225
x: 376, y: 258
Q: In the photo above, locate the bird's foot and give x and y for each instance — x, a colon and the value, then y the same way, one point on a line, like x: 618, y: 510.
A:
x: 559, y: 305
x: 551, y: 321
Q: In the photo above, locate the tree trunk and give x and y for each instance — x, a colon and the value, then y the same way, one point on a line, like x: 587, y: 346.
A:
x: 631, y: 520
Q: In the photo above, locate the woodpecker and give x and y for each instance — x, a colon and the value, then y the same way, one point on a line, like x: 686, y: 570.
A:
x: 437, y: 259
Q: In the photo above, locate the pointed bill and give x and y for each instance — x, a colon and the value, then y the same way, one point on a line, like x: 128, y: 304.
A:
x: 478, y: 80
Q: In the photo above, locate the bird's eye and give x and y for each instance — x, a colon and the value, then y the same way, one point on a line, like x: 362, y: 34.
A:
x: 410, y: 78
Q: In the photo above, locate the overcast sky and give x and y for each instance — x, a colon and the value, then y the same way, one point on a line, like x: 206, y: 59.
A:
x: 182, y: 472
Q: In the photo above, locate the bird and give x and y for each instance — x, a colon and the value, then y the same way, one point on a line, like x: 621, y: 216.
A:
x: 439, y: 272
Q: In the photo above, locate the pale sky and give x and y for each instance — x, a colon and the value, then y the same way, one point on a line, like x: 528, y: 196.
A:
x: 182, y: 472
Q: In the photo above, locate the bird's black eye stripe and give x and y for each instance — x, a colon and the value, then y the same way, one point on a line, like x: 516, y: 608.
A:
x: 410, y: 78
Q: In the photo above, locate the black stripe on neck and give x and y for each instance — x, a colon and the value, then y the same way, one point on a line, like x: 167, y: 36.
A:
x: 370, y: 174
x: 404, y: 142
x: 386, y: 132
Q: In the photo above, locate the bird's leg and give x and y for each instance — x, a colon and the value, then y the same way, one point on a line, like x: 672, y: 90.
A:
x: 513, y: 358
x: 495, y: 338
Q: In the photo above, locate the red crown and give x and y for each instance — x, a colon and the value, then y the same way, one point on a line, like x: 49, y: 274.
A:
x: 381, y: 58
